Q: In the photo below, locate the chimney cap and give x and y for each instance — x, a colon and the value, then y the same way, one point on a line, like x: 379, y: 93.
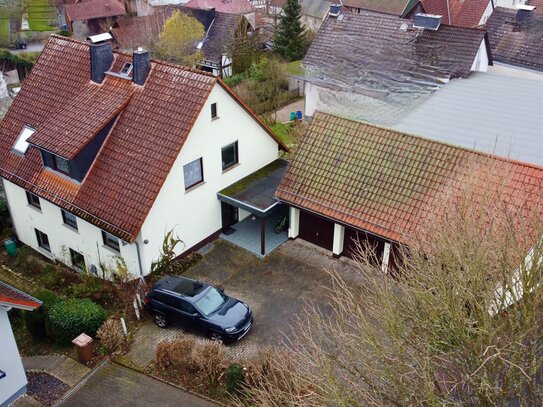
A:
x: 334, y: 10
x: 95, y: 39
x: 140, y: 50
x: 427, y: 21
x: 524, y: 7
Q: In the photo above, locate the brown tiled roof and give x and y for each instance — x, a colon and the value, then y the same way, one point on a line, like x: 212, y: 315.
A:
x: 15, y: 298
x: 384, y: 181
x: 538, y: 4
x: 516, y: 43
x: 229, y: 6
x: 138, y: 153
x: 92, y: 9
x: 395, y: 7
x: 464, y: 13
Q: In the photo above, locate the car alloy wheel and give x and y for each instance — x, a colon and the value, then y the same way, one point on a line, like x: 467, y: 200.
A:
x: 216, y: 337
x: 160, y: 320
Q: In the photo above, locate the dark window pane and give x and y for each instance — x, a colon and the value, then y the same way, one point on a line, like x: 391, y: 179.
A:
x: 61, y: 164
x: 193, y: 173
x: 111, y: 241
x: 213, y: 110
x: 229, y: 155
x: 69, y: 219
x: 43, y: 240
x: 78, y: 261
x: 33, y: 200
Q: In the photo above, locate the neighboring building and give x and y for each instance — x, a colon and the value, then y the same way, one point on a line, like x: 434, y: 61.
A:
x: 461, y: 13
x: 103, y: 153
x: 398, y: 8
x: 353, y: 181
x: 220, y: 32
x: 242, y: 7
x: 92, y: 17
x: 314, y: 12
x: 515, y: 37
x: 375, y: 67
x: 489, y: 113
x: 12, y: 374
x: 511, y: 3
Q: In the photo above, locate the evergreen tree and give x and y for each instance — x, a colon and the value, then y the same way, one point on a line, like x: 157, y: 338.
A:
x: 289, y: 41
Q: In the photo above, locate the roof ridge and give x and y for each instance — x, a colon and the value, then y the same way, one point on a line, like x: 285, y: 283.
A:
x: 439, y: 142
x: 154, y: 60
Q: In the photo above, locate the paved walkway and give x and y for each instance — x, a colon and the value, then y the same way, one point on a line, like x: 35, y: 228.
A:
x: 62, y: 367
x: 114, y: 385
x: 283, y: 114
x: 277, y: 289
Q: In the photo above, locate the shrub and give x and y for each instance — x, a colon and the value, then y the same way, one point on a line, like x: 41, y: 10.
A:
x: 111, y: 335
x: 96, y: 289
x: 234, y: 378
x: 211, y: 359
x: 52, y: 277
x: 72, y: 317
x: 37, y: 321
x: 175, y: 354
x: 64, y: 33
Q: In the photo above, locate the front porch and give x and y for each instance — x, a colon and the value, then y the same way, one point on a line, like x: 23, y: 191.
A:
x: 247, y: 233
x: 250, y: 212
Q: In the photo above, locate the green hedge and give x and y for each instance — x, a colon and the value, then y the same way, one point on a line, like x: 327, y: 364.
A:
x: 72, y: 317
x: 37, y: 321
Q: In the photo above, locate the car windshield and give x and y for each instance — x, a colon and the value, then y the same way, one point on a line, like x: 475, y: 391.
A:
x: 211, y: 301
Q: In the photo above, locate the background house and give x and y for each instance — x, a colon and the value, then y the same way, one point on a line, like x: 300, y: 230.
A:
x: 314, y: 12
x: 515, y: 37
x: 398, y: 8
x: 375, y: 67
x: 461, y: 13
x: 103, y: 153
x: 242, y: 7
x: 92, y: 17
x: 12, y: 375
x: 220, y: 33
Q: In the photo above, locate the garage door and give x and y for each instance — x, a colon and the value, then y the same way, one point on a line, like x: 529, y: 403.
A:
x: 352, y: 236
x: 316, y: 230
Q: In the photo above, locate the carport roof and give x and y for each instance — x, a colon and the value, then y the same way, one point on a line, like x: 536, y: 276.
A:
x: 255, y: 193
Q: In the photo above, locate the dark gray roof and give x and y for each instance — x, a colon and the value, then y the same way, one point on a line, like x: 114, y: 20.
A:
x: 386, y: 60
x: 221, y: 34
x: 490, y: 113
x: 315, y: 8
x: 516, y: 42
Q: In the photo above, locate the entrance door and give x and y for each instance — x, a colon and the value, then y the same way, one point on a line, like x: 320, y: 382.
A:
x: 229, y: 214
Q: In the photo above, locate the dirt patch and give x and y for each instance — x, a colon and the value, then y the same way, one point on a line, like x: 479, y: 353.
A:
x: 45, y: 388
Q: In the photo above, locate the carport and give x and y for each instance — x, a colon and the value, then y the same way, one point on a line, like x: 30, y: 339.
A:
x: 250, y: 211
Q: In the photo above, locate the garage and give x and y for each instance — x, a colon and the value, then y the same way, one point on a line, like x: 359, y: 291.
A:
x: 352, y: 236
x: 316, y: 230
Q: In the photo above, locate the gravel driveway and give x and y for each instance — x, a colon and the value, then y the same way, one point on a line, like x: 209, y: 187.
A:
x: 276, y: 288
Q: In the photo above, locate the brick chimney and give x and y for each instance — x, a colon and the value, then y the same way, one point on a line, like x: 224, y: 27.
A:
x: 141, y: 66
x: 101, y: 56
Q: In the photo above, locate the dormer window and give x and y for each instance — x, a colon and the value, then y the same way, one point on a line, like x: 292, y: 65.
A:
x: 61, y: 164
x: 126, y: 69
x: 21, y: 145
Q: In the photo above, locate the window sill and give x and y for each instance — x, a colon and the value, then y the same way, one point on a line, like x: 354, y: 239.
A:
x: 230, y: 168
x: 46, y: 252
x: 192, y: 188
x: 215, y: 118
x: 111, y: 249
x: 75, y: 230
x: 35, y: 208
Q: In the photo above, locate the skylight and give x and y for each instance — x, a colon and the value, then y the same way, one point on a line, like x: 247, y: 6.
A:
x: 126, y: 69
x: 21, y: 145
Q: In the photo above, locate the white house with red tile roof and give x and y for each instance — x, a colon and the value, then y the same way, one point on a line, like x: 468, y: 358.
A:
x: 12, y: 375
x: 103, y: 153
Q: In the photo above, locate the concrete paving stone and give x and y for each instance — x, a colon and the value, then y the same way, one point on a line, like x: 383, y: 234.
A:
x: 69, y: 371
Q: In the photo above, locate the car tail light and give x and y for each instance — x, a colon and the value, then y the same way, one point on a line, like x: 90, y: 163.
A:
x: 145, y: 300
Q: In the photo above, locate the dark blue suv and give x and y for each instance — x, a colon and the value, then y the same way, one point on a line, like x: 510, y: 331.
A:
x: 200, y: 307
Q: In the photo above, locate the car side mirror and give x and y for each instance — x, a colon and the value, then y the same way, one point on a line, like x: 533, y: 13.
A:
x: 195, y: 315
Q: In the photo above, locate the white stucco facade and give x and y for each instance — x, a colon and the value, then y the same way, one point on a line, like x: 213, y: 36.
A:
x: 509, y: 3
x: 193, y: 215
x: 12, y: 375
x: 87, y: 240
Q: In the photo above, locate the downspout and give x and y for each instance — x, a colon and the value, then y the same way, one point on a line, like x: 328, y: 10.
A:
x: 449, y: 13
x: 139, y: 259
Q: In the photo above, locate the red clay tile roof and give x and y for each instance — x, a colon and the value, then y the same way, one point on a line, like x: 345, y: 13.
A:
x: 138, y: 153
x: 516, y: 43
x: 223, y: 6
x: 464, y: 13
x: 384, y: 181
x: 15, y: 298
x: 92, y: 9
x: 538, y: 4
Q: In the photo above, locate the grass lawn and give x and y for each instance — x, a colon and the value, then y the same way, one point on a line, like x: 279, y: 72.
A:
x: 294, y: 68
x: 4, y: 26
x: 40, y: 14
x: 282, y: 130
